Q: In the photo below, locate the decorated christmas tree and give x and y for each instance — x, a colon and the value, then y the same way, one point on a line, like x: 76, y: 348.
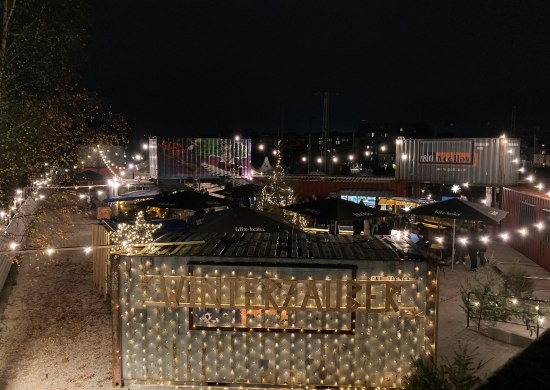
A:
x: 277, y: 193
x: 127, y: 237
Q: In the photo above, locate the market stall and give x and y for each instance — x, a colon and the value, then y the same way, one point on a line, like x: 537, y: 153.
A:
x: 271, y: 311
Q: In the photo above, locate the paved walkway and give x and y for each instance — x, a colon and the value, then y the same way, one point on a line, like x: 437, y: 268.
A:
x: 452, y: 328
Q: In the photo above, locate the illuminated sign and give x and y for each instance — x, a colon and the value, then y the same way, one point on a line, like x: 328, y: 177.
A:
x: 450, y: 152
x: 299, y: 295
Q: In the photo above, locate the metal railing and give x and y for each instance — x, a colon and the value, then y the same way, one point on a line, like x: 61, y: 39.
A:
x: 508, y: 310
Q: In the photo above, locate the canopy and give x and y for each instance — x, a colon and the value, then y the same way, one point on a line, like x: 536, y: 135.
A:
x: 186, y: 200
x: 242, y: 219
x: 455, y: 208
x: 266, y: 166
x: 336, y: 209
x: 134, y: 195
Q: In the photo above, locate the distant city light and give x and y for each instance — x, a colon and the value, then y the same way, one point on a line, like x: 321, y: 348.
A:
x: 383, y: 148
x: 304, y: 158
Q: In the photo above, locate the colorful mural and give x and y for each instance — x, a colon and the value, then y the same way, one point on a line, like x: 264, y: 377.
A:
x: 201, y: 157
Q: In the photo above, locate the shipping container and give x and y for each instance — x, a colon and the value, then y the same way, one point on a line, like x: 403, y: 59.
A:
x: 306, y: 187
x: 181, y: 158
x: 477, y: 161
x: 258, y: 310
x: 529, y: 209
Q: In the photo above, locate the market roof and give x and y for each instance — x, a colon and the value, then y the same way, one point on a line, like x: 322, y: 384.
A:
x: 275, y: 245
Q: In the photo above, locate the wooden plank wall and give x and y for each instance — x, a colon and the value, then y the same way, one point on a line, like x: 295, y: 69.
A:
x: 100, y: 236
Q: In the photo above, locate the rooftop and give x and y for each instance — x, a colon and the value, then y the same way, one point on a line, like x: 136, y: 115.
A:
x: 276, y: 245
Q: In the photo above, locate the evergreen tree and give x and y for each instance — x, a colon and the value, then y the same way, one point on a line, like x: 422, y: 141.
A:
x: 277, y: 193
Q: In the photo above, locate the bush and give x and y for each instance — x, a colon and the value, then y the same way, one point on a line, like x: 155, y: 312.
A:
x: 458, y: 374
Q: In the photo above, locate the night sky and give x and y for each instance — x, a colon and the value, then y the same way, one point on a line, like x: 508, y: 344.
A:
x: 191, y: 68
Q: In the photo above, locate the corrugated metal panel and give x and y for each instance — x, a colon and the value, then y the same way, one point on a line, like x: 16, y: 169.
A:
x: 153, y: 160
x: 478, y: 161
x: 176, y: 158
x: 532, y: 245
x: 269, y: 245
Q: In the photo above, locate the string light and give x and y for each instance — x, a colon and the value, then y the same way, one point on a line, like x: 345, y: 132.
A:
x: 127, y: 235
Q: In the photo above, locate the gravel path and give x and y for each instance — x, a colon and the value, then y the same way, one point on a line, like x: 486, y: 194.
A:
x: 55, y: 329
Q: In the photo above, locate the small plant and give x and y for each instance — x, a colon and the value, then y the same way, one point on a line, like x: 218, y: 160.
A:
x: 517, y: 284
x: 495, y: 299
x: 482, y: 301
x: 458, y: 374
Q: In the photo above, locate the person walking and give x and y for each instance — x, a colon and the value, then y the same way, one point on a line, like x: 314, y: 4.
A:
x: 473, y: 246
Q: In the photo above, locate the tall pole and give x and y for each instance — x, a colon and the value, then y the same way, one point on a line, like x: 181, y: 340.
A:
x: 325, y: 129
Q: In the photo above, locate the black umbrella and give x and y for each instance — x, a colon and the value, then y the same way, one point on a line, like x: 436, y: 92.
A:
x: 241, y: 219
x: 455, y: 208
x: 187, y: 200
x: 243, y: 191
x: 336, y: 209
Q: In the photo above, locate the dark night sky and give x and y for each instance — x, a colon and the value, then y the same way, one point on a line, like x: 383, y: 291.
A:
x: 192, y: 67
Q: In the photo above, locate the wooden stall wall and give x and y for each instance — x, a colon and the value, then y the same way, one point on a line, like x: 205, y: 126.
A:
x: 170, y: 343
x: 100, y: 236
x: 536, y: 244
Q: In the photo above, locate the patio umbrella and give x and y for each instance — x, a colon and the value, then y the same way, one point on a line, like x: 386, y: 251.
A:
x: 186, y: 200
x: 336, y: 209
x: 455, y: 208
x: 241, y: 219
x: 243, y: 191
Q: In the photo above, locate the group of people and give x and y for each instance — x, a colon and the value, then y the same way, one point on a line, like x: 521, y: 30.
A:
x: 380, y: 226
x: 472, y: 243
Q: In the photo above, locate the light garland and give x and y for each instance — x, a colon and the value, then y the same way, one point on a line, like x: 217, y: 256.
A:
x: 127, y: 235
x: 160, y: 344
x: 108, y: 165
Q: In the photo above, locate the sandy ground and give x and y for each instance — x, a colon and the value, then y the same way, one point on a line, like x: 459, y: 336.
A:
x: 55, y: 329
